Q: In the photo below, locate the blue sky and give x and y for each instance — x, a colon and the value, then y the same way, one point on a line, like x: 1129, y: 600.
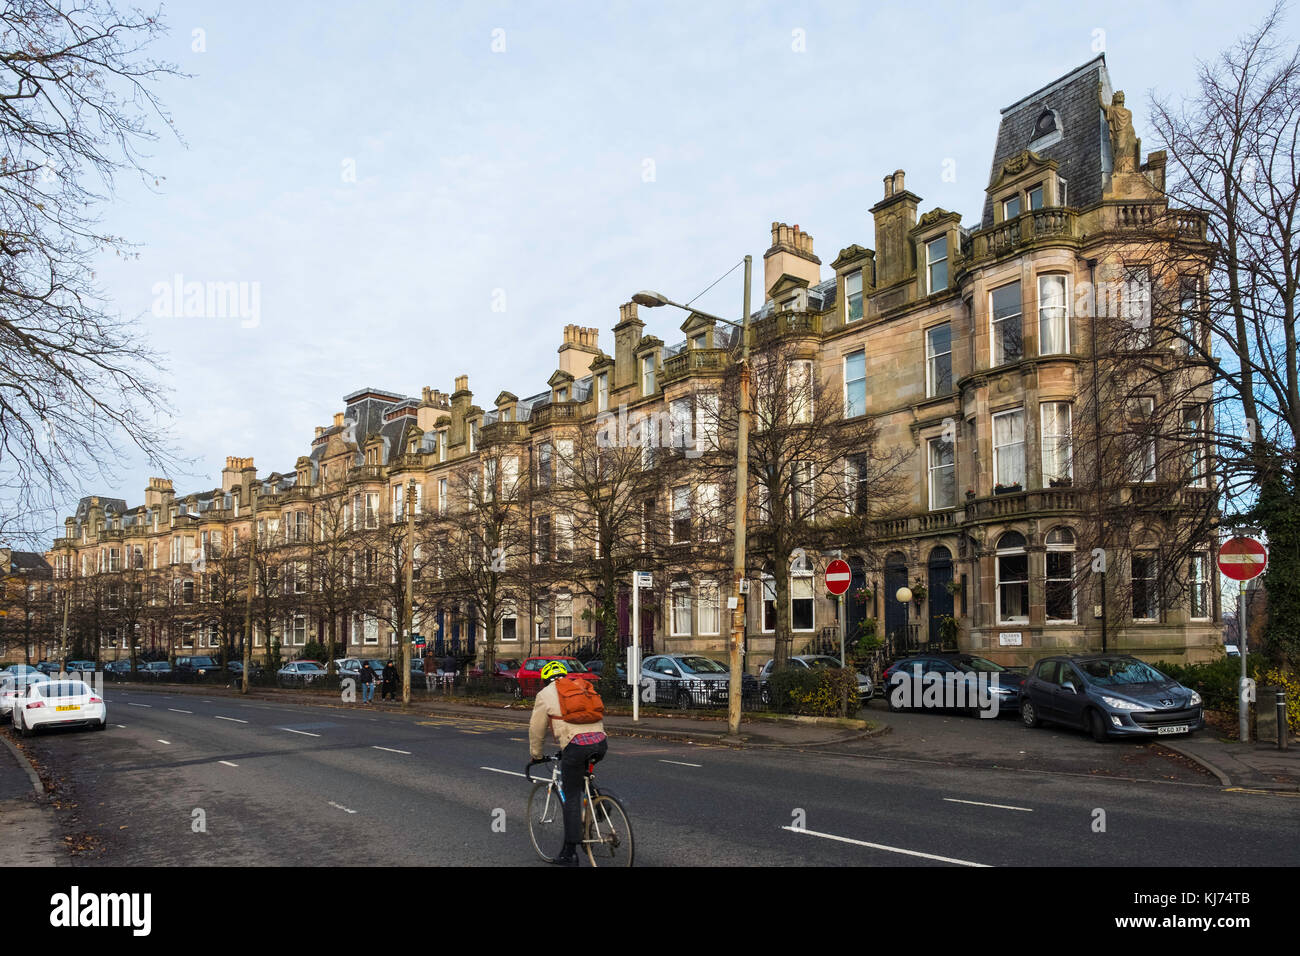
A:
x: 517, y: 177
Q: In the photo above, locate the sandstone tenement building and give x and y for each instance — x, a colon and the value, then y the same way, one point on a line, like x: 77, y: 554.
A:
x: 972, y: 347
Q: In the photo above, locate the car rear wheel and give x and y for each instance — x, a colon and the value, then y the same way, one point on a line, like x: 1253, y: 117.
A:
x: 23, y: 729
x: 102, y: 725
x: 1097, y: 725
x: 1029, y: 714
x: 684, y: 699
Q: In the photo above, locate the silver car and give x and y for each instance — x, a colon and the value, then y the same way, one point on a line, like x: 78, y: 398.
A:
x: 685, y: 680
x: 14, y: 685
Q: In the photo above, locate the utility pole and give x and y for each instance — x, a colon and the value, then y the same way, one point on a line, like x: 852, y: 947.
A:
x: 735, y: 659
x: 252, y: 584
x: 406, y: 592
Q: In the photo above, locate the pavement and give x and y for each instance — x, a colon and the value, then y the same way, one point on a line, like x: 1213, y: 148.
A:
x: 29, y: 832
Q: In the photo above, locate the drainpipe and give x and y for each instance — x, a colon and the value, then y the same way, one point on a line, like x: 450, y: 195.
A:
x: 1096, y: 439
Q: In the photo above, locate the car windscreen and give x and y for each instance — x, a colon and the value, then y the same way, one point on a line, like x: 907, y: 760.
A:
x: 822, y: 661
x: 701, y: 665
x: 1109, y: 672
x: 64, y: 688
x: 575, y: 667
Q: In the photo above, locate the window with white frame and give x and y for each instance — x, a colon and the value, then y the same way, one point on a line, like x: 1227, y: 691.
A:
x: 769, y: 604
x: 1144, y: 580
x: 1006, y: 324
x: 542, y: 539
x: 1053, y: 316
x: 1059, y: 594
x: 799, y: 386
x: 680, y: 599
x: 853, y: 295
x: 1135, y: 305
x: 564, y: 460
x: 648, y: 374
x: 679, y: 423
x: 397, y: 503
x: 1190, y: 318
x: 802, y: 603
x: 710, y: 608
x: 855, y: 384
x: 1011, y: 207
x: 509, y: 623
x: 681, y: 523
x: 708, y: 503
x: 706, y: 421
x: 1012, y: 579
x: 564, y: 615
x: 1034, y: 197
x: 543, y: 624
x: 1009, y: 448
x: 602, y: 392
x: 802, y: 491
x: 856, y: 484
x: 372, y: 509
x: 1194, y: 444
x: 936, y: 265
x: 938, y: 360
x: 1055, y: 436
x: 943, y: 474
x: 442, y: 496
x: 1142, y: 451
x: 1198, y: 586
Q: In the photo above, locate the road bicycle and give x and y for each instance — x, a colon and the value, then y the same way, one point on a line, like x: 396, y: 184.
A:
x: 606, y: 829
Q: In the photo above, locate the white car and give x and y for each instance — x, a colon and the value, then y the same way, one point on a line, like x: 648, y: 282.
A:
x: 13, y: 686
x: 58, y: 703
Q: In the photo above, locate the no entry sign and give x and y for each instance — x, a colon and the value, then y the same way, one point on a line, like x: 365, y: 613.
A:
x: 838, y: 576
x: 1242, y: 559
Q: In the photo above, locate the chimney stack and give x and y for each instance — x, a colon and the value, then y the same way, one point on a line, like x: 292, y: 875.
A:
x: 627, y: 335
x: 578, y: 349
x: 791, y: 254
x: 895, y: 215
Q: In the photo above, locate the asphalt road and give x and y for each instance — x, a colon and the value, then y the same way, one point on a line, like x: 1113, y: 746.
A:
x: 178, y: 779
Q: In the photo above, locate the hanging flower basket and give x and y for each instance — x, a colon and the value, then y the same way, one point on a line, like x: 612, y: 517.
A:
x: 953, y: 587
x: 863, y: 595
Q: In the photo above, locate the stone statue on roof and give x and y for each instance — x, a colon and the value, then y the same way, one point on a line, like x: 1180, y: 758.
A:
x: 1124, y: 144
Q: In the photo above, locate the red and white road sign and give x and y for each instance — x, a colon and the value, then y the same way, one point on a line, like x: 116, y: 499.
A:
x: 838, y: 576
x: 1242, y: 559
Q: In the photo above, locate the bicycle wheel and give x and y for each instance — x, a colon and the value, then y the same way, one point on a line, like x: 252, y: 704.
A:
x: 546, y: 821
x: 608, y: 839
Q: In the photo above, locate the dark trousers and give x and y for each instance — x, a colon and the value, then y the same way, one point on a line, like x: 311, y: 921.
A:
x: 573, y: 767
x: 390, y: 691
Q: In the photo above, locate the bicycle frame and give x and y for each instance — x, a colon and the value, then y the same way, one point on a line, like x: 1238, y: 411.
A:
x: 555, y: 787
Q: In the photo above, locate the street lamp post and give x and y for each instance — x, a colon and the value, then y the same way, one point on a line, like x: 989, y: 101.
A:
x: 904, y: 596
x: 737, y: 602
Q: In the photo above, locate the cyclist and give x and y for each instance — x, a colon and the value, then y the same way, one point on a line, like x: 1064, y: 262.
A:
x: 579, y: 743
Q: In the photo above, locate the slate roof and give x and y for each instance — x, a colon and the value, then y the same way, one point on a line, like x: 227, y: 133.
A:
x: 26, y: 562
x: 1083, y: 149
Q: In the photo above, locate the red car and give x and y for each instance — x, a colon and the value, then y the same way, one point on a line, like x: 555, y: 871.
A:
x: 530, y: 675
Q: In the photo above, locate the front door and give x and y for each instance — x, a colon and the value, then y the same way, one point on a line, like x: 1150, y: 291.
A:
x: 896, y: 612
x: 938, y: 596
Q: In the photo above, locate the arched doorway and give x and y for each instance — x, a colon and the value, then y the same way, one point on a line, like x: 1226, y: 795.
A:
x: 940, y: 598
x: 896, y: 612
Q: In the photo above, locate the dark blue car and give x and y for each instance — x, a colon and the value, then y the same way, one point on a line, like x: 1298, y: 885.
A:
x: 1109, y: 696
x: 1002, y: 685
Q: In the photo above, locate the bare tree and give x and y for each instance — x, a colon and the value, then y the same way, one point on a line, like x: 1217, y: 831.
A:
x: 1233, y: 148
x: 77, y: 385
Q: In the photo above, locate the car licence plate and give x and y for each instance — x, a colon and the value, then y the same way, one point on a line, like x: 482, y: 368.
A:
x: 68, y: 707
x: 1175, y: 729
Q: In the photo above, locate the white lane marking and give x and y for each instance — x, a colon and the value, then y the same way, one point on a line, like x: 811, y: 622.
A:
x: 167, y: 742
x: 881, y: 846
x: 228, y: 763
x: 235, y: 719
x: 392, y: 751
x: 175, y: 711
x: 339, y: 806
x: 131, y: 703
x: 122, y: 726
x: 996, y: 806
x: 303, y: 732
x: 205, y: 702
x: 682, y: 763
x: 513, y: 773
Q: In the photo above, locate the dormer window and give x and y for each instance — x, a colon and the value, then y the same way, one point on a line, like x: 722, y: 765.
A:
x: 1035, y: 197
x: 700, y: 341
x: 506, y: 415
x: 562, y: 393
x: 853, y: 296
x: 936, y: 265
x: 1011, y: 208
x: 602, y: 392
x: 1046, y: 124
x: 648, y: 374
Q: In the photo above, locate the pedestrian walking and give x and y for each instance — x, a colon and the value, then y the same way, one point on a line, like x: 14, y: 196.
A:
x: 390, y: 682
x: 367, y: 678
x: 430, y: 670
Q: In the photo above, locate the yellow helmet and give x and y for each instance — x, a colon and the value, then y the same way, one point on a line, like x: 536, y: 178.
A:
x: 552, y: 669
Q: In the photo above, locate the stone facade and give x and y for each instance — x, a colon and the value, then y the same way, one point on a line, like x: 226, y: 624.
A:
x: 915, y: 331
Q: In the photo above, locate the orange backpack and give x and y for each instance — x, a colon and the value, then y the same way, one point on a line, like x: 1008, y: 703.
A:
x: 579, y: 702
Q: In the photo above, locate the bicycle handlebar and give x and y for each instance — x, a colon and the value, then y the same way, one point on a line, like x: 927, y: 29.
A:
x: 528, y: 774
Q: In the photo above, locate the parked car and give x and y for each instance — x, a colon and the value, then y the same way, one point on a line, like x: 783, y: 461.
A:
x: 118, y: 669
x: 18, y: 670
x: 1007, y: 691
x: 597, y: 667
x: 300, y: 673
x: 504, y: 676
x: 13, y: 686
x: 156, y: 670
x: 530, y: 674
x: 236, y: 669
x: 58, y: 703
x: 82, y: 667
x: 686, y: 680
x: 1109, y: 696
x: 195, y: 668
x: 809, y: 662
x: 48, y: 667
